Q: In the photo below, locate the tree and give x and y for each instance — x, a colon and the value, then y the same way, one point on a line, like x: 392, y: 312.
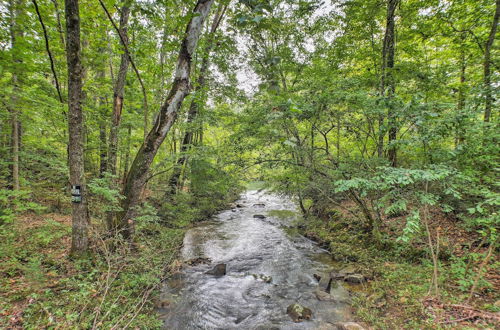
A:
x: 488, y: 98
x: 118, y: 90
x: 199, y: 90
x: 137, y: 175
x: 16, y: 34
x: 80, y: 219
x: 387, y: 85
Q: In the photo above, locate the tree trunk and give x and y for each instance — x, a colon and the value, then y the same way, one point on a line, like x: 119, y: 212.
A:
x: 138, y: 173
x: 461, y: 93
x: 118, y: 92
x: 127, y: 151
x: 199, y: 91
x: 387, y: 83
x: 103, y: 143
x: 16, y: 33
x: 80, y: 220
x: 488, y: 98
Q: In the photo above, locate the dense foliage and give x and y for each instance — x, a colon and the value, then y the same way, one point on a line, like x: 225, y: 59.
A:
x: 379, y: 117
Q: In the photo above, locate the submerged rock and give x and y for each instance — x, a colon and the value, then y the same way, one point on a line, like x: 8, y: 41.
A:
x: 259, y: 216
x: 262, y: 277
x: 259, y: 204
x: 218, y: 270
x: 239, y: 205
x: 299, y: 313
x: 349, y: 326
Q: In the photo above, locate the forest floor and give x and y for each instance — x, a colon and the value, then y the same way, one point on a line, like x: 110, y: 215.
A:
x: 397, y: 293
x: 41, y: 287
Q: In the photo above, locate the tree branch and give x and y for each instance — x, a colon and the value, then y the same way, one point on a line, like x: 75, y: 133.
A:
x: 47, y: 47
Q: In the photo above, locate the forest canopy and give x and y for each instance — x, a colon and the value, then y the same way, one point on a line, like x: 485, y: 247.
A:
x: 125, y: 120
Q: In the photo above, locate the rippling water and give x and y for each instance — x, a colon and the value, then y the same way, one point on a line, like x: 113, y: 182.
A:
x: 251, y: 248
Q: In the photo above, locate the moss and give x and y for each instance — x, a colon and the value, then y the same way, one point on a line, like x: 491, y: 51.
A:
x: 282, y: 214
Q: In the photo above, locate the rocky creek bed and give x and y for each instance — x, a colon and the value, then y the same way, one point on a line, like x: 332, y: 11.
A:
x: 242, y: 270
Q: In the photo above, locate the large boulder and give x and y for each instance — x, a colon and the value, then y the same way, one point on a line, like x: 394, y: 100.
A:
x: 299, y: 313
x: 218, y: 270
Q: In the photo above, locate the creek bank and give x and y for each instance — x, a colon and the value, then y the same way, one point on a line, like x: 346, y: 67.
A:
x: 389, y: 281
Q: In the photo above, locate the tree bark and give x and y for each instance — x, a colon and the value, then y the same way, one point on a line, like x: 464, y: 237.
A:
x: 118, y: 92
x: 488, y: 97
x: 103, y: 143
x: 80, y: 220
x: 387, y: 87
x: 127, y: 152
x: 194, y: 107
x: 16, y: 33
x: 138, y: 173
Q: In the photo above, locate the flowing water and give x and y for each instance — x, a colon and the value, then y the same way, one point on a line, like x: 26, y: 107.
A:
x: 267, y: 270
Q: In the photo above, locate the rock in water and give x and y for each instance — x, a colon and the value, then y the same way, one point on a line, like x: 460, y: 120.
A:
x: 299, y: 313
x: 259, y: 204
x: 323, y: 296
x: 349, y: 326
x: 218, y: 270
x: 259, y: 216
x: 197, y: 261
x: 355, y: 278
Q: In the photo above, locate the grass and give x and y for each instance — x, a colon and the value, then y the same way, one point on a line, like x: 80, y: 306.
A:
x: 40, y: 287
x: 397, y: 296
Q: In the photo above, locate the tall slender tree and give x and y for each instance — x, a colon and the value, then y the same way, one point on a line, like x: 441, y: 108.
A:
x: 16, y: 34
x: 80, y: 218
x: 387, y: 85
x: 118, y: 90
x: 488, y: 97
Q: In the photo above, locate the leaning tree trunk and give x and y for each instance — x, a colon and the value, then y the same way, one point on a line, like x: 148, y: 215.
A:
x: 118, y: 92
x: 486, y: 65
x: 387, y: 82
x: 79, y: 242
x: 138, y: 172
x: 194, y: 107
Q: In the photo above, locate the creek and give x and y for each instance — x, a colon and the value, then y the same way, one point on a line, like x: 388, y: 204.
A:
x: 267, y: 269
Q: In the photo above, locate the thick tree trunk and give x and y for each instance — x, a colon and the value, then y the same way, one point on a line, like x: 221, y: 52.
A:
x: 488, y: 97
x: 387, y: 83
x: 138, y: 173
x: 79, y: 243
x: 194, y: 107
x: 118, y: 92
